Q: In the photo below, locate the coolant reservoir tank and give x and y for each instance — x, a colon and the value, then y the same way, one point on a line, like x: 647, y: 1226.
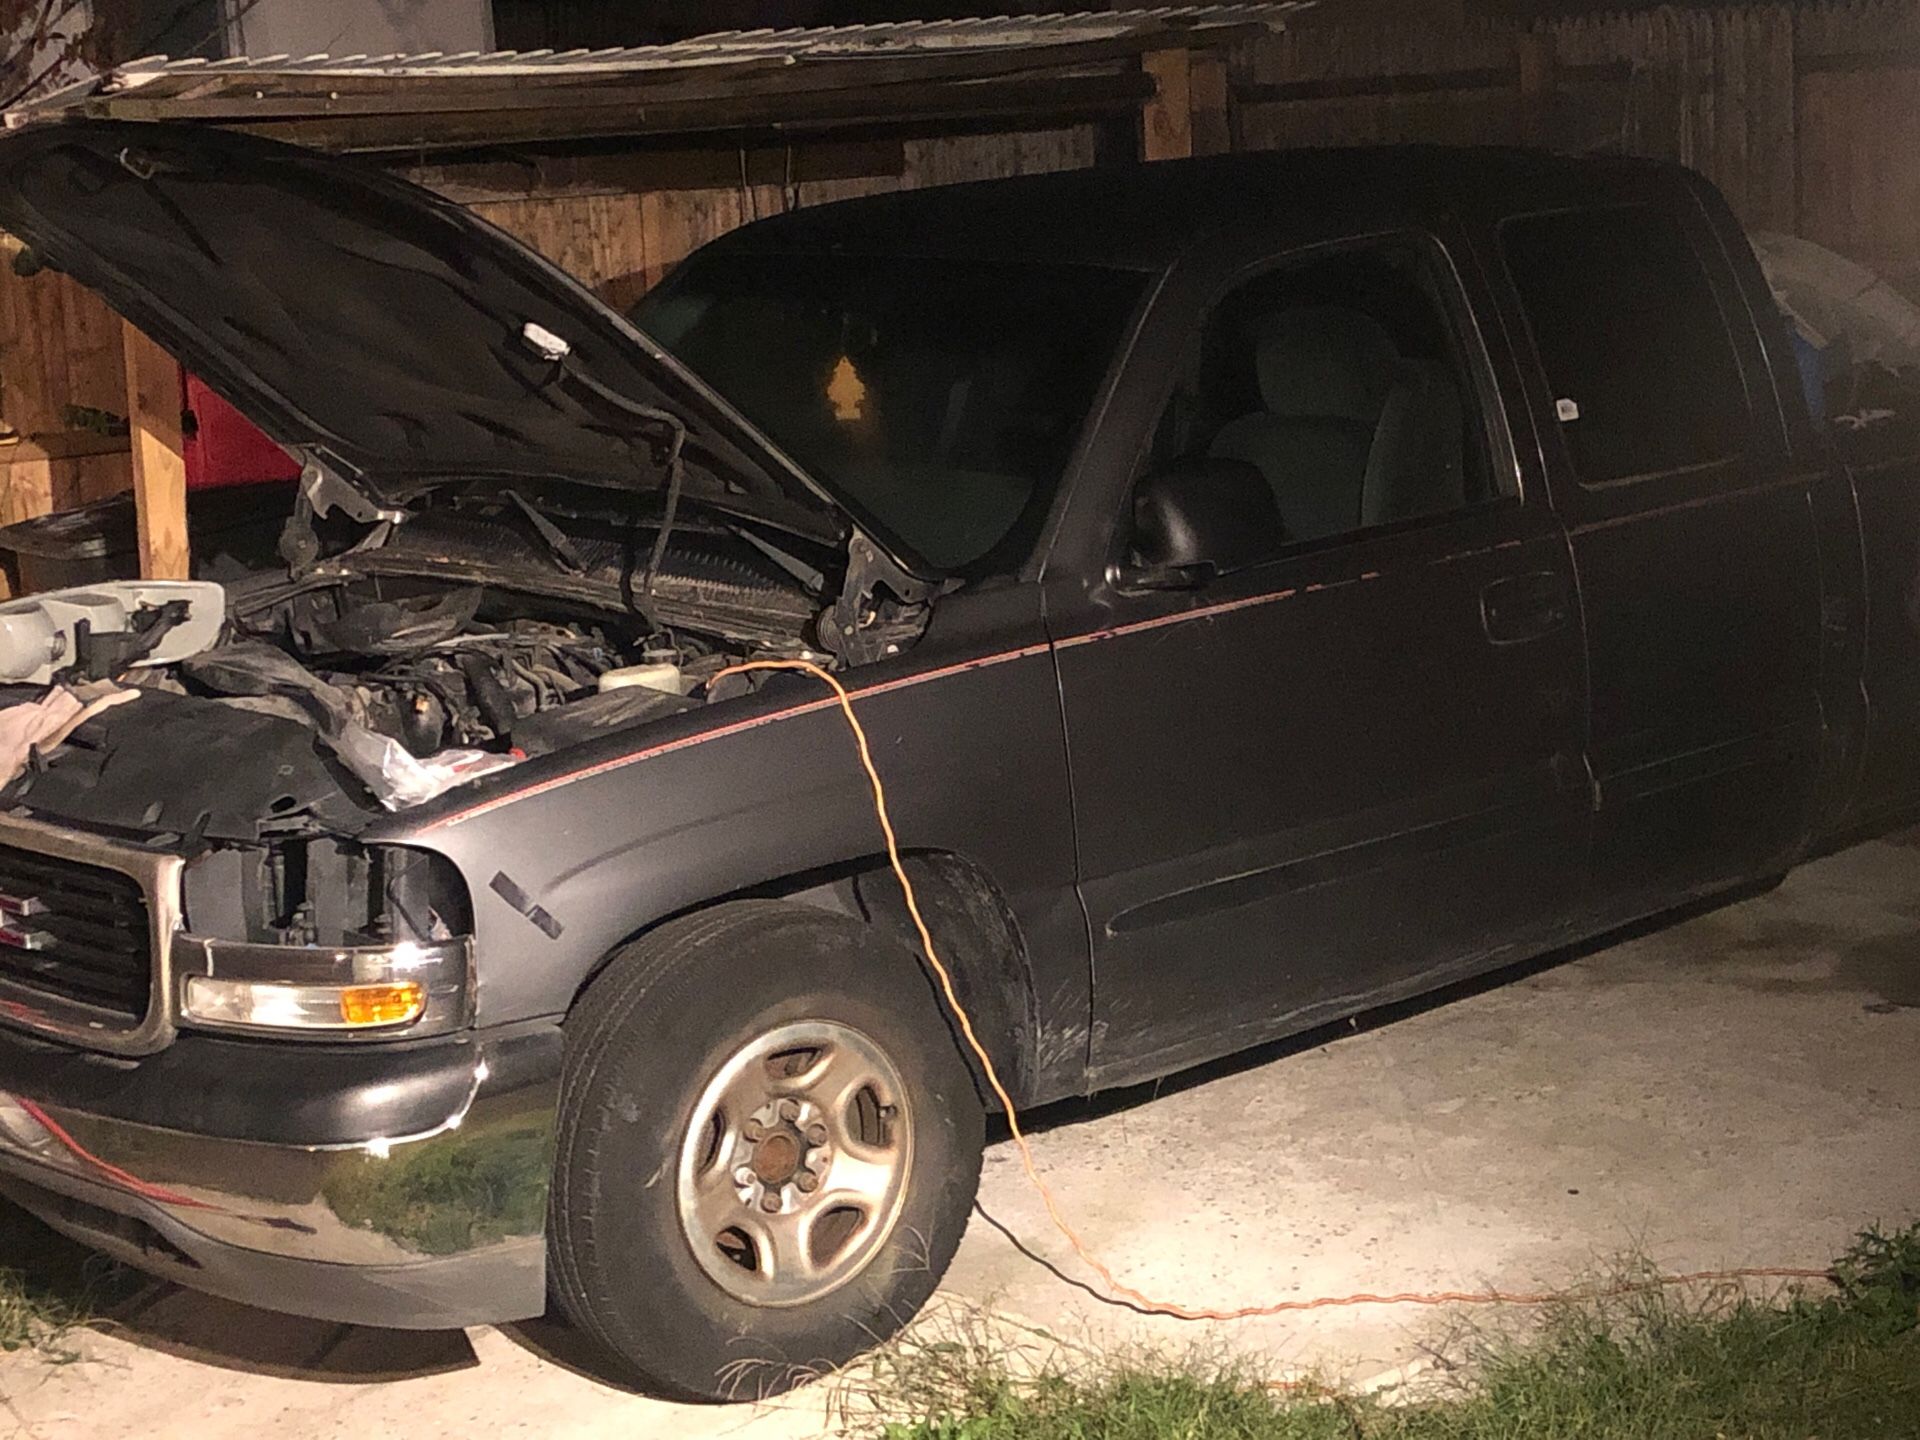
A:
x: 662, y: 675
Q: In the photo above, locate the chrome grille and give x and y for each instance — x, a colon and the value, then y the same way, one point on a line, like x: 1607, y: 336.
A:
x: 86, y: 928
x: 77, y: 932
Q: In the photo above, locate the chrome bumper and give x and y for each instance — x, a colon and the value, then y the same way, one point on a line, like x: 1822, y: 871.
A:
x: 432, y: 1218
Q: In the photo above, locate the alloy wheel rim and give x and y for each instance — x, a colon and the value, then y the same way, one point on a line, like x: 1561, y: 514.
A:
x: 793, y: 1169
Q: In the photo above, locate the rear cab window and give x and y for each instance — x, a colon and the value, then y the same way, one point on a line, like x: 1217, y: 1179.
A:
x: 1639, y: 359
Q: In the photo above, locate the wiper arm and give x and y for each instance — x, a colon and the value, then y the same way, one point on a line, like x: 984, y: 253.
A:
x: 810, y: 579
x: 556, y: 539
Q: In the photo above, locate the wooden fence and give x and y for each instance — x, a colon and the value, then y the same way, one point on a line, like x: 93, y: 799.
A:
x: 60, y: 354
x: 1808, y: 118
x: 622, y: 242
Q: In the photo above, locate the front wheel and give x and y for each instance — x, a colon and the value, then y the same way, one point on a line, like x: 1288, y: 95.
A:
x: 768, y: 1147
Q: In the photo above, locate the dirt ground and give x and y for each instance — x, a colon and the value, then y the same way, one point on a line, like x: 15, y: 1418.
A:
x: 1743, y: 1088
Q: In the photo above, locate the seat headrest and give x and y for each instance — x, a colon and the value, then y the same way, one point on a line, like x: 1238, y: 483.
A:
x: 1323, y: 362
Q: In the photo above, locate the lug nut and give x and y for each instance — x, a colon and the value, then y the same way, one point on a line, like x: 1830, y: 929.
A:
x: 816, y: 1134
x: 807, y: 1181
x: 753, y: 1131
x: 789, y: 1109
x: 770, y: 1203
x: 744, y: 1175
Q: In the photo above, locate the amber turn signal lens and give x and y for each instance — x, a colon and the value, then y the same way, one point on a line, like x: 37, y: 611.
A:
x: 382, y: 1004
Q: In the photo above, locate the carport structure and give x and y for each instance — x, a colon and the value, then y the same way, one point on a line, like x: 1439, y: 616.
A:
x: 615, y: 163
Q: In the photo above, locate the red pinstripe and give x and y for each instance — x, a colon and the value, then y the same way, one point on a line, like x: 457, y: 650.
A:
x: 620, y: 762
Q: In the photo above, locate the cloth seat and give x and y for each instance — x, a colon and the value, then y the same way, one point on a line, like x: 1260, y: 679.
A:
x: 1417, y: 463
x: 1325, y: 376
x: 1349, y: 434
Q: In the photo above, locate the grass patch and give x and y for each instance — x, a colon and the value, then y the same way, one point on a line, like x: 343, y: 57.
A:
x: 31, y: 1320
x: 1654, y: 1365
x: 51, y: 1286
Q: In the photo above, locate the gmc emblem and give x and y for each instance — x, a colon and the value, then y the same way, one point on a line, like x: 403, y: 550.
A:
x: 14, y: 908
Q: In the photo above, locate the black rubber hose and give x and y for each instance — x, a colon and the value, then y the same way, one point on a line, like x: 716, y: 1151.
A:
x: 495, y: 705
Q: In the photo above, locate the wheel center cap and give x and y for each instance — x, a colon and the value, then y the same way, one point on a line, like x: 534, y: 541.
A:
x: 776, y: 1158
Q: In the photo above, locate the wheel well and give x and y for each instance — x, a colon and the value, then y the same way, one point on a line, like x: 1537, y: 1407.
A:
x: 976, y: 934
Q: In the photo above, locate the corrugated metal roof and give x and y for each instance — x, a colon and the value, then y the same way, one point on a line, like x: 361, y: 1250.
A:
x: 788, y: 47
x: 358, y: 101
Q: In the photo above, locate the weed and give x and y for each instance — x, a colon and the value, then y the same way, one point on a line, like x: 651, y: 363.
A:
x: 1653, y: 1364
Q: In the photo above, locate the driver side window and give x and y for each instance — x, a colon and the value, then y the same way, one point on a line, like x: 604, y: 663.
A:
x: 1342, y: 383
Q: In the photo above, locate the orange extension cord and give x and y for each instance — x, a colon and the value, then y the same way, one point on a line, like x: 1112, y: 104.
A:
x: 1117, y: 1288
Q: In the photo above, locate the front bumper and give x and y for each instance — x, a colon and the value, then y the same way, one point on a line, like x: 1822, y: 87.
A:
x: 403, y: 1186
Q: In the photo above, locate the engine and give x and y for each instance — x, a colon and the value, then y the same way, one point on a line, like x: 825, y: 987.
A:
x: 394, y: 670
x: 434, y: 667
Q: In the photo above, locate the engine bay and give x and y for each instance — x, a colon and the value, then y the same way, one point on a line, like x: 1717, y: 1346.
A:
x: 408, y: 660
x: 434, y: 666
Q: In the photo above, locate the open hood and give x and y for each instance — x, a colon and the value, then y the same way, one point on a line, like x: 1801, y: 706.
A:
x: 388, y: 335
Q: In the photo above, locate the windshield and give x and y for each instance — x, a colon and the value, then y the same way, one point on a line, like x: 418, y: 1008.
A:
x: 939, y: 399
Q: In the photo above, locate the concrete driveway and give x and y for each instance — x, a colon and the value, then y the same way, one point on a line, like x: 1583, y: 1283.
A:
x: 1741, y: 1089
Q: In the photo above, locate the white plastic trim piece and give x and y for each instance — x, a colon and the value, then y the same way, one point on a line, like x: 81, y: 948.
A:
x: 544, y: 343
x: 37, y: 633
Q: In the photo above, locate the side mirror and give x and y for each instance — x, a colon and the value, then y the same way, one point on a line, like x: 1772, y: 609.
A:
x: 1200, y: 518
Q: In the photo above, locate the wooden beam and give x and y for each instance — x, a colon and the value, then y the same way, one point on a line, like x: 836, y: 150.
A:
x: 252, y: 98
x: 1035, y: 99
x: 636, y: 169
x: 159, y: 461
x: 1435, y: 82
x: 1166, y: 119
x: 1895, y: 56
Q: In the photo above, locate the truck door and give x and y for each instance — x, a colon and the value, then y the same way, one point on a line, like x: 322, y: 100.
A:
x: 1350, y: 765
x: 1694, y: 541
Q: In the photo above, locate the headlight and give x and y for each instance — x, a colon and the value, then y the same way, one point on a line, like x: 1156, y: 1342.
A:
x: 408, y: 986
x: 324, y: 939
x: 275, y: 1005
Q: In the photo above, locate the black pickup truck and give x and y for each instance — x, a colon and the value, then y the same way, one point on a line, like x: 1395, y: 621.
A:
x: 1274, y: 585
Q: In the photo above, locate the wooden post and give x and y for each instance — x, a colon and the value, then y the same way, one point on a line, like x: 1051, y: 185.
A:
x: 1537, y: 64
x: 159, y: 462
x: 1538, y: 79
x: 1166, y: 119
x: 1207, y: 84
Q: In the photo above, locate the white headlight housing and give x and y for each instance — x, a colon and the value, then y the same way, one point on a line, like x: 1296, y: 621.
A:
x: 336, y: 992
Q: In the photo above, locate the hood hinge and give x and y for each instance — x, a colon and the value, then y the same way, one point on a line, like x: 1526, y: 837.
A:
x: 323, y: 491
x: 881, y: 610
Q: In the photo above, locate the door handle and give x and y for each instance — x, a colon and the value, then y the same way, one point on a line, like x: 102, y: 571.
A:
x: 1518, y: 608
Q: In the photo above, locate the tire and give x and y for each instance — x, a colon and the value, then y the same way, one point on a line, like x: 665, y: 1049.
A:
x: 660, y: 1244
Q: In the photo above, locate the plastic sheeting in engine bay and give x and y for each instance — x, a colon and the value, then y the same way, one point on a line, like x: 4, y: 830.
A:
x: 192, y: 766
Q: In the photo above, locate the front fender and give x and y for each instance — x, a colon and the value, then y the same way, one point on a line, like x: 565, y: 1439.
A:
x: 569, y: 856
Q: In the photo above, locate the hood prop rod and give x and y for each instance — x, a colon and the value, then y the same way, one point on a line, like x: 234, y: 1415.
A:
x: 676, y: 466
x: 556, y: 349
